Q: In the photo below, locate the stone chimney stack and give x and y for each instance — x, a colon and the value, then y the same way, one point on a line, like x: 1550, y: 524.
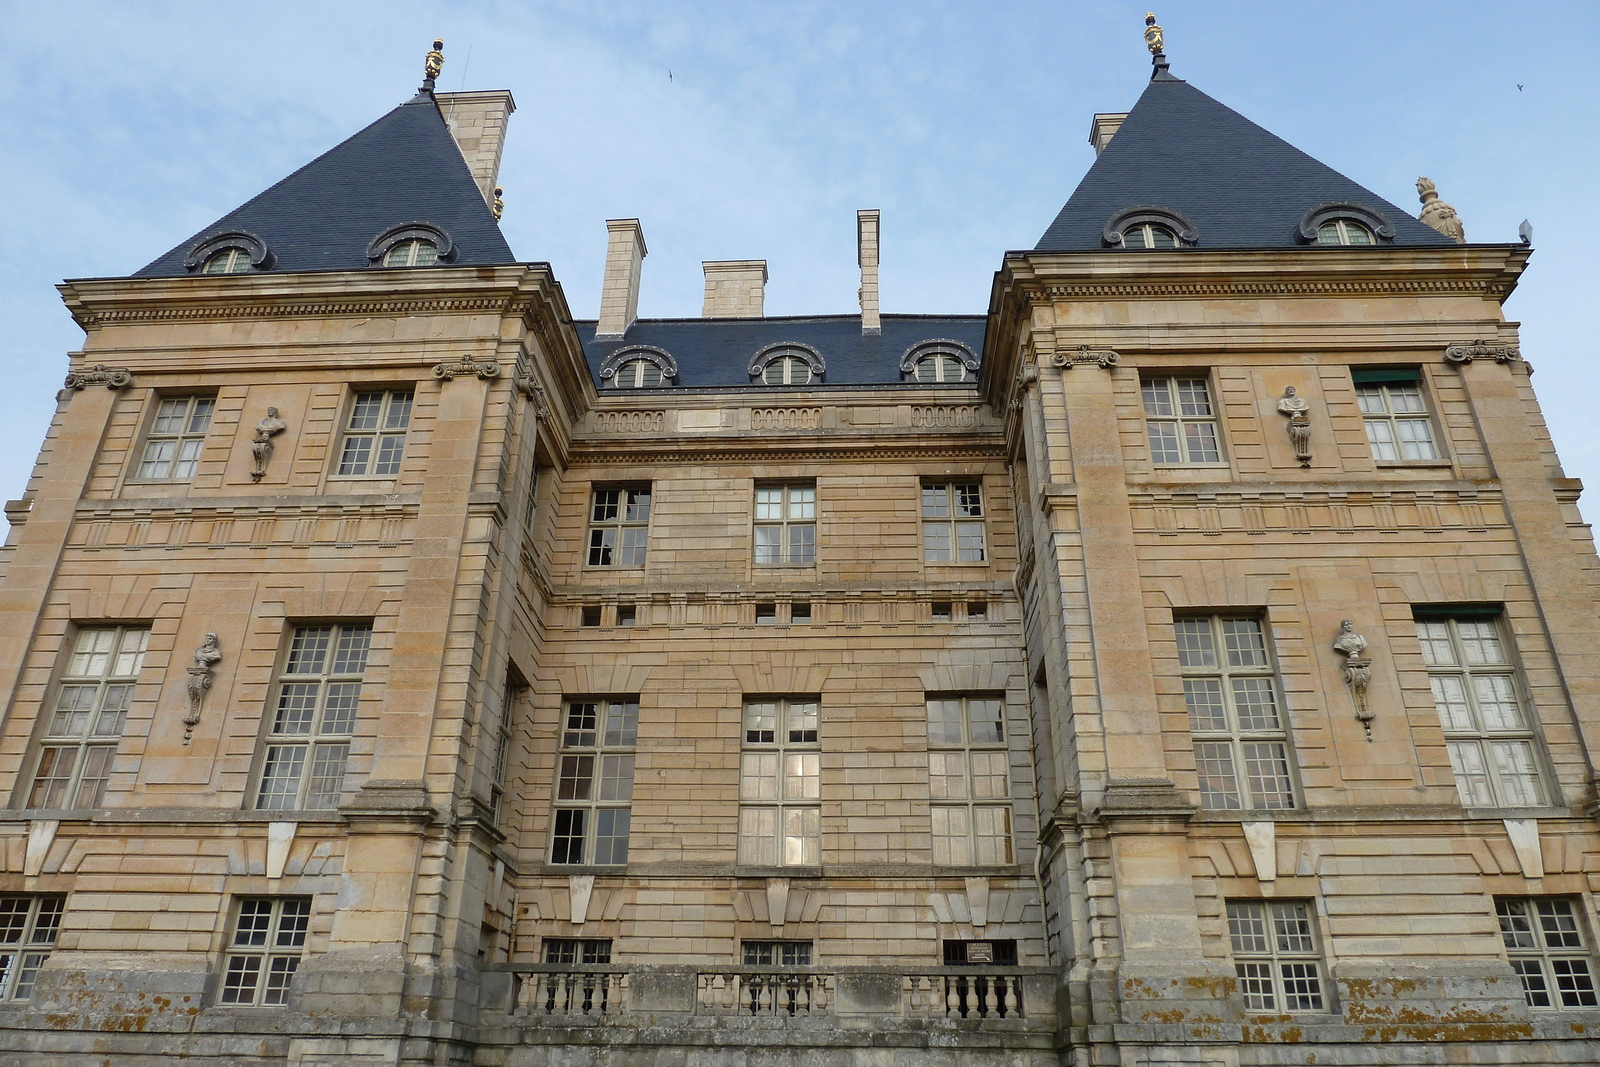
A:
x: 619, y: 293
x: 478, y: 123
x: 867, y: 260
x: 1103, y: 128
x: 735, y: 289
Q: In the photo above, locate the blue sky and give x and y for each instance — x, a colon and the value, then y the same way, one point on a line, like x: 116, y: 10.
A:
x: 130, y: 126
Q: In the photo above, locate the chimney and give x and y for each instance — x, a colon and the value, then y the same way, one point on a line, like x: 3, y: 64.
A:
x: 619, y: 293
x: 735, y: 289
x: 867, y: 260
x: 478, y: 123
x: 1103, y: 128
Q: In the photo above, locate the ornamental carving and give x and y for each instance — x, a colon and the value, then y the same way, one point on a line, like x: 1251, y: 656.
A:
x: 1466, y: 353
x: 526, y: 384
x: 485, y: 369
x: 261, y: 446
x: 1298, y: 409
x: 1357, y: 670
x: 631, y: 421
x: 1438, y: 214
x: 939, y: 346
x: 1027, y: 378
x: 1100, y: 357
x: 785, y: 418
x: 201, y: 676
x: 659, y: 357
x: 100, y: 374
x: 945, y: 416
x: 812, y: 357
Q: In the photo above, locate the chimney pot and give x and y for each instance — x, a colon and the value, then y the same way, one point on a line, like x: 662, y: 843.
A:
x: 619, y: 293
x: 735, y: 289
x: 1103, y: 128
x: 867, y: 260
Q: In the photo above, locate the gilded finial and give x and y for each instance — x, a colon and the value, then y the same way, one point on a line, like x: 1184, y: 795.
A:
x: 499, y: 205
x: 432, y: 64
x: 1438, y: 214
x: 1152, y: 35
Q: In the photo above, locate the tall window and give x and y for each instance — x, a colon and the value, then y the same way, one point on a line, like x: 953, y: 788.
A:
x: 28, y: 927
x: 780, y: 780
x: 1395, y: 410
x: 952, y: 522
x: 318, y: 694
x: 172, y: 447
x: 1181, y: 421
x: 90, y: 711
x: 498, y: 730
x: 786, y: 524
x: 619, y: 527
x: 1548, y: 949
x: 375, y: 434
x: 594, y: 782
x: 269, y: 937
x: 969, y: 781
x: 638, y: 374
x: 1241, y: 752
x: 787, y: 370
x: 1275, y: 955
x: 413, y: 253
x: 1486, y: 726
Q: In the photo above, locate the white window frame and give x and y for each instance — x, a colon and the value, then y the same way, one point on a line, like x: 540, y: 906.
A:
x: 29, y: 924
x: 953, y: 522
x: 619, y: 526
x: 939, y: 367
x: 1398, y: 420
x: 785, y: 524
x: 1237, y: 719
x: 1183, y: 423
x: 1147, y: 236
x: 87, y: 717
x: 780, y: 782
x: 787, y: 370
x: 969, y: 780
x: 644, y: 372
x: 227, y: 261
x: 373, y: 444
x: 178, y: 428
x: 313, y: 717
x: 265, y: 950
x: 1548, y: 944
x: 1495, y: 760
x: 1277, y: 956
x: 594, y: 781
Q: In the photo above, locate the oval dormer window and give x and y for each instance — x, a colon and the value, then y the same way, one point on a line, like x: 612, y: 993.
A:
x: 1149, y: 235
x: 414, y: 252
x: 232, y: 252
x: 940, y: 361
x: 787, y: 363
x: 228, y: 261
x: 939, y: 368
x: 1149, y: 226
x: 638, y: 374
x: 1344, y: 232
x: 1342, y: 223
x: 638, y: 367
x: 786, y: 370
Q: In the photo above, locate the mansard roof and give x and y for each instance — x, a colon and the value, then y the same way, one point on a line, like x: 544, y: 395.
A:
x: 1241, y: 186
x: 717, y: 353
x: 404, y: 168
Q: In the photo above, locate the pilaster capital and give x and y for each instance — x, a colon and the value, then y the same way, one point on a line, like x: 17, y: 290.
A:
x: 1466, y: 352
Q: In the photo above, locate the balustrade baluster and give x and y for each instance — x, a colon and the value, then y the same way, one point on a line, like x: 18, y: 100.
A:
x: 952, y: 1000
x: 764, y: 996
x: 989, y: 1003
x: 1011, y: 997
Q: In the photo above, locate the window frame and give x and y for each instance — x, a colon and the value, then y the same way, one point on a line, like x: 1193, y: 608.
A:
x: 1147, y: 231
x: 940, y: 361
x: 1233, y: 733
x: 587, y: 809
x: 93, y: 747
x: 780, y: 846
x: 239, y: 260
x: 1276, y: 958
x: 1484, y: 738
x: 21, y: 959
x: 1343, y: 226
x: 411, y: 248
x: 623, y: 549
x: 953, y: 520
x: 776, y: 949
x: 785, y: 524
x: 787, y: 364
x: 271, y: 956
x: 180, y: 439
x: 380, y: 434
x: 1382, y: 378
x: 963, y: 745
x: 1541, y: 956
x: 317, y: 742
x: 639, y: 362
x: 1181, y: 422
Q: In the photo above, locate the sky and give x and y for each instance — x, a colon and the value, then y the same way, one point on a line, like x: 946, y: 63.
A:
x: 755, y: 131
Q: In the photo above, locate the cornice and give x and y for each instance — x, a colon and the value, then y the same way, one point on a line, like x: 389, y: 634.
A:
x: 612, y: 452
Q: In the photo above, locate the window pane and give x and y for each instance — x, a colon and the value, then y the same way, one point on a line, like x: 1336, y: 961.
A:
x: 280, y: 777
x: 1219, y: 785
x: 952, y: 836
x: 622, y: 723
x: 944, y: 722
x: 1195, y: 648
x: 1194, y: 399
x: 1450, y: 697
x: 365, y: 411
x: 327, y: 776
x: 576, y: 779
x: 1201, y: 440
x: 1267, y: 766
x: 1480, y: 640
x: 1472, y: 780
x: 1380, y: 435
x: 1558, y: 924
x: 94, y: 776
x: 1255, y: 700
x: 611, y: 835
x: 1157, y: 397
x: 758, y: 776
x: 769, y: 503
x: 986, y: 720
x: 969, y: 542
x: 1497, y: 702
x: 758, y: 836
x: 1515, y: 773
x: 1164, y: 443
x: 390, y: 451
x: 1204, y: 698
x: 568, y: 839
x: 991, y: 832
x: 1434, y: 637
x: 936, y: 542
x: 947, y: 775
x: 1371, y: 400
x: 1416, y: 439
x: 769, y: 544
x: 616, y: 778
x: 802, y: 776
x: 802, y: 836
x: 935, y: 502
x: 1516, y: 925
x: 1247, y: 645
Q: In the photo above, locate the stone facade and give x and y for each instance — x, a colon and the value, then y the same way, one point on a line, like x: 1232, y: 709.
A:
x: 443, y: 904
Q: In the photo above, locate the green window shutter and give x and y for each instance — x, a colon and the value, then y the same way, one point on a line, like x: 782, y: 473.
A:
x: 1379, y: 375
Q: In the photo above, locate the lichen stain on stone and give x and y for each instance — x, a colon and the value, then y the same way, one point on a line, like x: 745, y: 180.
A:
x: 1216, y: 987
x: 1467, y: 1032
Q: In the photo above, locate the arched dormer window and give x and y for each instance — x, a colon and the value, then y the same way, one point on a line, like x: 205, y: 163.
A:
x: 939, y: 361
x: 1149, y: 227
x: 788, y: 363
x: 234, y: 252
x: 638, y: 367
x: 1342, y: 223
x: 411, y: 244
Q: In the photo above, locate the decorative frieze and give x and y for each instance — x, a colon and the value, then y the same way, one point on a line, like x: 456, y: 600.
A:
x: 786, y: 418
x: 945, y: 417
x: 630, y: 421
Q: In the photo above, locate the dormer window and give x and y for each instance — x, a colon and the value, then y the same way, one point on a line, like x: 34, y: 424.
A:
x: 1343, y: 232
x: 939, y: 368
x: 1149, y: 235
x: 638, y: 367
x: 231, y: 252
x: 638, y: 374
x: 788, y: 363
x: 228, y: 261
x: 413, y: 253
x: 939, y: 361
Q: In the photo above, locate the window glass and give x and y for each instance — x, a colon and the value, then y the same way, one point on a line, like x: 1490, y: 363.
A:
x: 1399, y: 428
x: 786, y: 524
x: 619, y: 526
x: 594, y: 782
x: 1275, y: 955
x: 269, y: 939
x: 952, y: 522
x: 172, y: 446
x: 969, y: 780
x: 1548, y: 946
x: 787, y: 370
x: 780, y: 784
x: 91, y: 709
x: 375, y: 434
x: 1180, y: 421
x: 319, y: 694
x: 1241, y: 748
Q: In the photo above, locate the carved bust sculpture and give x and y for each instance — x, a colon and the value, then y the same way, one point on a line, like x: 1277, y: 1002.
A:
x: 1298, y: 409
x: 1349, y: 642
x: 1357, y: 670
x: 200, y: 677
x: 261, y: 447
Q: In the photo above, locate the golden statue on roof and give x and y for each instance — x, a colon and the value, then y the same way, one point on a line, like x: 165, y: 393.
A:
x: 434, y: 61
x: 1152, y: 35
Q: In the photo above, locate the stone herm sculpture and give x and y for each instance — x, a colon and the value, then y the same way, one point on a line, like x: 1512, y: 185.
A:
x: 200, y: 678
x: 1298, y: 409
x: 1438, y: 214
x: 261, y: 447
x: 1357, y: 670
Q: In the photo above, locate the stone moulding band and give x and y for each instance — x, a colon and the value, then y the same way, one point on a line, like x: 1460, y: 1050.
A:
x: 100, y: 374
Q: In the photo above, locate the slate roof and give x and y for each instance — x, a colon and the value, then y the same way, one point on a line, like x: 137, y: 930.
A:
x: 715, y: 353
x: 1241, y: 186
x: 405, y: 167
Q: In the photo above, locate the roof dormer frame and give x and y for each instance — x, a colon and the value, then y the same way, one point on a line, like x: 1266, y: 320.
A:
x: 813, y: 358
x: 1380, y: 226
x: 649, y: 353
x: 409, y: 231
x: 937, y: 346
x: 261, y: 257
x: 1126, y: 219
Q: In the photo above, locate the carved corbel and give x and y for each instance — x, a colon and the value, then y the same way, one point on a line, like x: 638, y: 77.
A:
x: 1466, y: 353
x: 1027, y: 378
x: 261, y: 446
x: 1104, y: 358
x: 1357, y: 670
x: 1298, y: 409
x: 201, y: 676
x: 484, y: 369
x: 533, y: 392
x: 100, y: 374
